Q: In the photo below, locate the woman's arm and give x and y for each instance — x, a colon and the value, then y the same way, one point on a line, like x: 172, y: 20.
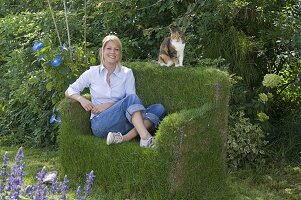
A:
x: 85, y: 103
x: 101, y: 107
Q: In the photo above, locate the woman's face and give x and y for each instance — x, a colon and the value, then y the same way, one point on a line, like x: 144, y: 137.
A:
x: 111, y: 53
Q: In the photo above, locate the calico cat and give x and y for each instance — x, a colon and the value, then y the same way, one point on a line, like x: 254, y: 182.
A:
x: 172, y: 49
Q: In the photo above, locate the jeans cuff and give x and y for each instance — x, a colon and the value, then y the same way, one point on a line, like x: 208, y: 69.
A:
x: 153, y: 118
x: 133, y: 108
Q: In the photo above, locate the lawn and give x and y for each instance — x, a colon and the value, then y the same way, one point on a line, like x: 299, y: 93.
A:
x: 276, y: 181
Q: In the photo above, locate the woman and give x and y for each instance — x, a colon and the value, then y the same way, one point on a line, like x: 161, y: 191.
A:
x: 117, y: 113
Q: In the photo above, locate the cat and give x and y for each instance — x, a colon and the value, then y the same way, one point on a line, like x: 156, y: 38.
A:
x: 172, y: 49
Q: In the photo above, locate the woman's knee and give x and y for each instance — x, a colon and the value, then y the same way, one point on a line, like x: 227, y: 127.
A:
x: 133, y: 99
x: 98, y: 130
x: 158, y: 110
x: 99, y: 133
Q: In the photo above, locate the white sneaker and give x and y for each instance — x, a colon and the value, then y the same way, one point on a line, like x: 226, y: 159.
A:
x: 149, y: 143
x: 114, y: 138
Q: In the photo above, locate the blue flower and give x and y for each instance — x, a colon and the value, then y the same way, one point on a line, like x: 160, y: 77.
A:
x: 29, y: 191
x: 54, y: 186
x: 78, y: 194
x: 20, y: 155
x: 41, y: 58
x: 64, y: 187
x: 40, y: 175
x: 89, y: 182
x: 56, y: 61
x: 5, y: 158
x: 16, y: 177
x: 54, y: 118
x: 63, y: 47
x: 37, y: 46
x: 12, y: 185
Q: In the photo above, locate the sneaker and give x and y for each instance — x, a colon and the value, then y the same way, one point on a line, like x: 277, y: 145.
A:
x: 149, y: 143
x: 114, y: 138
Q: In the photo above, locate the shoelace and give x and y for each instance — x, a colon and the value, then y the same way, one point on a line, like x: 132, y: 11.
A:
x: 118, y: 137
x: 150, y: 142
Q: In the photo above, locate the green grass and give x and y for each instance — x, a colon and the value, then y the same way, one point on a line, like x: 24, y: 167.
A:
x: 188, y: 161
x: 34, y: 160
x: 270, y: 183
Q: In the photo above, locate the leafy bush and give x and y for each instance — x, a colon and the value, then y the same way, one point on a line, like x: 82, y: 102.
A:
x: 34, y: 83
x: 246, y: 141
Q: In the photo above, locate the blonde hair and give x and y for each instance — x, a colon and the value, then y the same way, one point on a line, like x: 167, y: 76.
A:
x: 117, y: 42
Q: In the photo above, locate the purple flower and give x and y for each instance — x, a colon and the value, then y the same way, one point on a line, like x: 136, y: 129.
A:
x: 37, y: 46
x: 5, y: 163
x: 39, y: 190
x: 54, y: 118
x: 19, y: 157
x: 54, y: 187
x: 11, y: 183
x: 4, y: 172
x: 29, y: 191
x: 89, y: 182
x: 64, y: 187
x: 16, y: 178
x: 5, y: 159
x: 55, y: 62
x: 78, y: 194
x: 40, y: 175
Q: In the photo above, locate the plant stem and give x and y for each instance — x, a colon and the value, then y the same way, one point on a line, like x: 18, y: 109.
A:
x: 56, y: 29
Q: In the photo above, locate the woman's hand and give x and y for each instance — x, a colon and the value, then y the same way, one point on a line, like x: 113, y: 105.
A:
x: 101, y: 107
x: 86, y: 104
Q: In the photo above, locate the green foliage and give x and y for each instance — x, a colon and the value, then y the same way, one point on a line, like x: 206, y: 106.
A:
x: 286, y: 141
x: 247, y: 38
x: 26, y: 103
x: 33, y: 85
x: 246, y: 142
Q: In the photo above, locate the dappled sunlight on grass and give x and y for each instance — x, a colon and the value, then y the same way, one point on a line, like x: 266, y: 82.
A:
x: 281, y: 182
x: 277, y: 183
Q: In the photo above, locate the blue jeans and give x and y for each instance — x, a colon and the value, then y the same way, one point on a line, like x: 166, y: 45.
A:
x: 118, y: 118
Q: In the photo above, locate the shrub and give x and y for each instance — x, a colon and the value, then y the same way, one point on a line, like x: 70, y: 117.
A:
x: 245, y: 142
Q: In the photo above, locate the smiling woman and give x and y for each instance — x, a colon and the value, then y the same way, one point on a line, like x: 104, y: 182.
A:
x: 111, y: 53
x: 117, y: 113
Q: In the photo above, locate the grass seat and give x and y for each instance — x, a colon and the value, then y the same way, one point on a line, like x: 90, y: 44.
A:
x: 188, y: 161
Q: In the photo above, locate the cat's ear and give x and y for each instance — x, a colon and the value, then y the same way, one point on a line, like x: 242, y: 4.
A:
x: 172, y: 29
x: 183, y: 30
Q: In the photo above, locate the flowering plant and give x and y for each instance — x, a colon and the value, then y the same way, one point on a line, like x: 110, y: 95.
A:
x: 262, y: 116
x: 272, y: 80
x: 12, y: 184
x: 61, y: 65
x: 263, y: 97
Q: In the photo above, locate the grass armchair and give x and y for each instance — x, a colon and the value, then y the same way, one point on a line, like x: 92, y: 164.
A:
x: 188, y: 161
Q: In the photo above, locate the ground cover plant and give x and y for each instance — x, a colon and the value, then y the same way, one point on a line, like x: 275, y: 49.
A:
x: 279, y: 182
x: 12, y: 182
